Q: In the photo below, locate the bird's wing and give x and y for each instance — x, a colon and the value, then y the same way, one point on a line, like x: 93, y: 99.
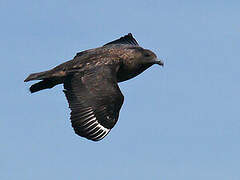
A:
x: 95, y: 100
x: 127, y: 39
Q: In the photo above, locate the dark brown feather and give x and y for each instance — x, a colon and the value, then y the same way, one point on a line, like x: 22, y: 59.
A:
x: 90, y: 81
x: 95, y: 100
x: 128, y: 39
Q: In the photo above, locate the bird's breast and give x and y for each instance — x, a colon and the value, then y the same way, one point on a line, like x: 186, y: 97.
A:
x: 125, y: 73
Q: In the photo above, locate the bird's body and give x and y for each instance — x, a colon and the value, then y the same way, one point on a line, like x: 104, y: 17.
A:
x: 90, y: 83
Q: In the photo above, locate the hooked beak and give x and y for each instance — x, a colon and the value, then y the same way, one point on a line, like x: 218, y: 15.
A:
x: 159, y: 62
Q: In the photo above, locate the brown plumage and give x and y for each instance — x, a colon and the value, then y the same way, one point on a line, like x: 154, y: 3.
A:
x: 90, y: 83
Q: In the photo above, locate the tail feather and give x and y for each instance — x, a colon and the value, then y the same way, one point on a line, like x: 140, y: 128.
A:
x: 36, y: 76
x: 49, y: 79
x: 44, y: 84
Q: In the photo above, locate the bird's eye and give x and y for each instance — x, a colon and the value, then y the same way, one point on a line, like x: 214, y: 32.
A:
x: 147, y: 55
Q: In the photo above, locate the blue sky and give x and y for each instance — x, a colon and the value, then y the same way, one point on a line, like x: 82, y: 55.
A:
x: 177, y: 122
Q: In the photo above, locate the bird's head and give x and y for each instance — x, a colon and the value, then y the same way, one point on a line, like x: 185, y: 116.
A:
x: 146, y: 57
x: 150, y: 57
x: 135, y: 61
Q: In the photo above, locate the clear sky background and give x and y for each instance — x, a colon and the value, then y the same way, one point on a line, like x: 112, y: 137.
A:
x: 178, y: 122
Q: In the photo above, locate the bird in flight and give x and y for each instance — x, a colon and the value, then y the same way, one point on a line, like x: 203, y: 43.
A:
x: 90, y: 83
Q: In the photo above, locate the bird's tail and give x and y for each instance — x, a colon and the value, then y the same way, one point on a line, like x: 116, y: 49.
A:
x: 37, y: 76
x: 44, y: 84
x: 48, y: 81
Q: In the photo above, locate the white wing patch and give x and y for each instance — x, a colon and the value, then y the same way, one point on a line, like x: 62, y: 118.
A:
x: 91, y: 127
x: 104, y: 132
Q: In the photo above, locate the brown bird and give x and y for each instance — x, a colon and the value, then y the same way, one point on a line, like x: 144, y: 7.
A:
x: 90, y: 82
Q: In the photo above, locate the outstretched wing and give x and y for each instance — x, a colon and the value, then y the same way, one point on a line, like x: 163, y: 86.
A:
x: 95, y: 100
x: 127, y: 39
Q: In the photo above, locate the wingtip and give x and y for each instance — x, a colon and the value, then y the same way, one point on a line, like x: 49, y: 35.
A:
x: 126, y: 39
x: 129, y: 35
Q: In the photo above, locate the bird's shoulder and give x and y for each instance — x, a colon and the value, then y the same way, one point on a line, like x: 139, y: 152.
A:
x: 112, y: 53
x: 106, y: 55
